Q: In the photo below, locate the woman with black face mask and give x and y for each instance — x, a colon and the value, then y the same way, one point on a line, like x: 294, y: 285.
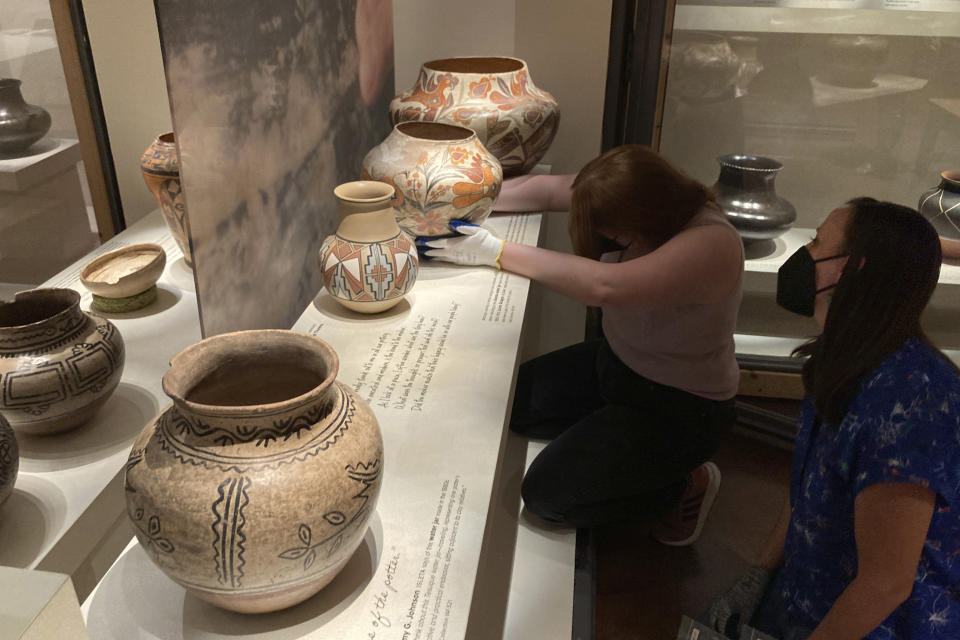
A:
x: 868, y: 544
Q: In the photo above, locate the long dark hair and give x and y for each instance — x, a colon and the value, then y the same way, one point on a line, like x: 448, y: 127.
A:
x: 890, y: 274
x: 631, y: 189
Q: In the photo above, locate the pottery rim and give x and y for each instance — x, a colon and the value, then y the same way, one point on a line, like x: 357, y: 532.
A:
x: 7, y: 83
x: 760, y: 164
x: 478, y: 65
x: 196, y: 363
x: 62, y: 300
x: 364, y: 192
x: 435, y: 131
x: 159, y: 259
x: 951, y: 177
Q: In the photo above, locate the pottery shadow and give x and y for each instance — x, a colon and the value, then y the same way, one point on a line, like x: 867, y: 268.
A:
x: 25, y: 519
x: 436, y: 270
x: 166, y: 298
x: 201, y: 618
x: 136, y: 599
x: 180, y: 275
x: 113, y: 428
x: 763, y: 249
x: 40, y: 146
x: 328, y: 306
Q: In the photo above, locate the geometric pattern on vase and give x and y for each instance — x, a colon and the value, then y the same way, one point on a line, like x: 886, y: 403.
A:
x: 59, y: 366
x: 160, y: 166
x: 440, y: 173
x: 941, y: 206
x: 369, y: 271
x: 494, y: 96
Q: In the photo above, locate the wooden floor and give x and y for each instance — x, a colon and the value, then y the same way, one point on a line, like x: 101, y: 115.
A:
x: 643, y: 587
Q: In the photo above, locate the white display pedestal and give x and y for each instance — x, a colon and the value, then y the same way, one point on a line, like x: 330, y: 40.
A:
x: 68, y: 496
x: 438, y: 370
x: 37, y: 605
x: 43, y: 216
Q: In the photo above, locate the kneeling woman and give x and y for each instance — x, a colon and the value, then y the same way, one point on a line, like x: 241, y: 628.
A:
x: 632, y: 417
x: 868, y: 544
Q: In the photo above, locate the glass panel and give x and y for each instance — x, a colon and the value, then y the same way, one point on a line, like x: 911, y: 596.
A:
x: 46, y: 217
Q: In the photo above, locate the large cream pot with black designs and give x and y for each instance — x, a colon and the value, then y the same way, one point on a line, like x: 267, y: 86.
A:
x: 58, y: 364
x: 255, y: 487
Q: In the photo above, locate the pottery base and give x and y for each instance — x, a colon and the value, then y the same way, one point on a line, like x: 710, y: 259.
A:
x: 59, y: 424
x: 269, y: 600
x: 370, y: 307
x: 124, y: 305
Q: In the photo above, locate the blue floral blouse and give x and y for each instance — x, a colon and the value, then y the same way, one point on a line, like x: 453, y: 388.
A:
x: 904, y: 426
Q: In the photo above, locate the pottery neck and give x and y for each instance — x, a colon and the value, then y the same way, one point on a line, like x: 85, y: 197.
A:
x: 10, y: 95
x: 161, y: 157
x: 433, y: 133
x: 365, y: 211
x: 39, y: 320
x: 746, y: 179
x: 474, y: 67
x: 252, y: 386
x: 950, y: 181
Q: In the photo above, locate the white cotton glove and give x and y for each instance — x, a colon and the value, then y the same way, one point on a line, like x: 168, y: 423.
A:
x: 474, y: 246
x: 734, y: 608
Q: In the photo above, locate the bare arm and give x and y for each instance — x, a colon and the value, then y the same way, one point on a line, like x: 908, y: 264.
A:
x: 535, y: 193
x: 698, y: 265
x: 890, y: 527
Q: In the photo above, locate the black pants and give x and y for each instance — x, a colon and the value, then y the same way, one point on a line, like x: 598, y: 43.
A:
x: 622, y: 446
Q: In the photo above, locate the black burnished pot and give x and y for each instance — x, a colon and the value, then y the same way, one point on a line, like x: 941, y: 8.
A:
x: 9, y: 460
x: 21, y: 124
x: 941, y: 206
x: 746, y: 193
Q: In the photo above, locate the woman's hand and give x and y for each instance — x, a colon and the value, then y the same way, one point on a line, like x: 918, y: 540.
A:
x: 734, y: 608
x: 474, y: 246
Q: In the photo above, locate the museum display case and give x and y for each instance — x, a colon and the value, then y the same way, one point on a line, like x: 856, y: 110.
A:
x: 843, y: 101
x: 46, y: 214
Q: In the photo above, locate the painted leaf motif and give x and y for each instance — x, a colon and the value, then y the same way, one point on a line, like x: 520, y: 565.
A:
x: 335, y: 518
x: 138, y: 514
x: 336, y: 545
x: 293, y: 554
x: 164, y: 545
x: 305, y: 534
x: 153, y: 526
x: 308, y: 561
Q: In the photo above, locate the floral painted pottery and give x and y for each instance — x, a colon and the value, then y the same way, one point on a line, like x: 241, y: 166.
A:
x: 441, y: 173
x: 495, y: 97
x: 160, y: 165
x: 746, y: 193
x: 21, y: 124
x: 254, y: 488
x: 941, y: 206
x: 58, y: 364
x: 369, y: 264
x: 125, y: 279
x: 9, y: 460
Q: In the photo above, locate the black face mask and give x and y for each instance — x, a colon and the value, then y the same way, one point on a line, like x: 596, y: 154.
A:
x: 797, y: 282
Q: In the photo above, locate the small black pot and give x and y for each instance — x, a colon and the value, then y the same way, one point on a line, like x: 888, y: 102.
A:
x: 746, y: 193
x: 21, y: 124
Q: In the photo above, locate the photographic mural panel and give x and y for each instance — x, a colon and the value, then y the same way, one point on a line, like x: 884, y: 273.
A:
x: 273, y: 105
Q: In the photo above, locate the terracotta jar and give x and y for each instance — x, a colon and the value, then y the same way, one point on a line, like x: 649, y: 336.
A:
x: 160, y: 165
x: 9, y: 460
x: 746, y: 192
x: 495, y: 97
x: 254, y: 488
x: 58, y: 364
x: 941, y: 206
x: 21, y: 124
x: 369, y: 264
x: 441, y: 173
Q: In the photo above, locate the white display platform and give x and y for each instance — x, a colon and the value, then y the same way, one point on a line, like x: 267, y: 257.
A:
x: 45, y: 158
x: 38, y: 605
x: 438, y: 370
x: 68, y: 494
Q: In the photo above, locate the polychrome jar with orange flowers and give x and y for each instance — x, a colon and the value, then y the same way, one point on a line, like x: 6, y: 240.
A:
x: 495, y: 96
x: 440, y: 172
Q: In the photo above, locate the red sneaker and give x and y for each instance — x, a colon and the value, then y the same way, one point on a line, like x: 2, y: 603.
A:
x: 683, y: 525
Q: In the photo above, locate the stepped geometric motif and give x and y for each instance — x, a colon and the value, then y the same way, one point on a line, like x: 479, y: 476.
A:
x: 369, y: 271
